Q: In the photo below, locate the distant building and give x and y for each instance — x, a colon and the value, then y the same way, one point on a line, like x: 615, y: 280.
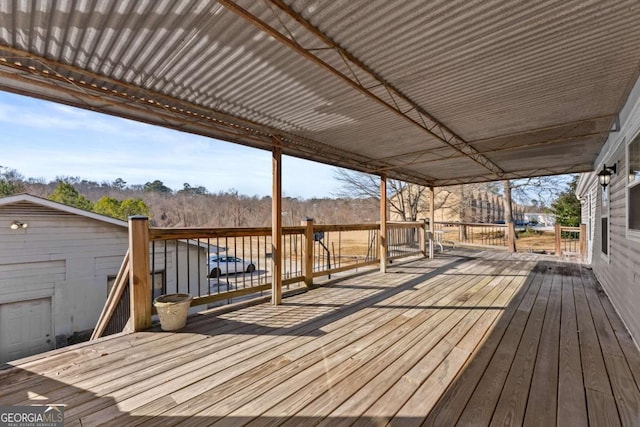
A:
x: 473, y: 207
x: 544, y: 219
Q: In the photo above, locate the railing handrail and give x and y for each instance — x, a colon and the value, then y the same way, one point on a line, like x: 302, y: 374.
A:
x: 346, y: 227
x: 170, y: 233
x: 569, y: 228
x: 406, y: 224
x: 165, y: 233
x: 471, y: 224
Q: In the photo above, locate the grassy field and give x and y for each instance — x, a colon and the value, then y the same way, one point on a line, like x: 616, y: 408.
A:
x: 535, y: 241
x: 528, y: 240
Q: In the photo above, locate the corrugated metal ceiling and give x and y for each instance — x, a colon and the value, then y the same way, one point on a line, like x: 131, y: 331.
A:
x: 435, y: 92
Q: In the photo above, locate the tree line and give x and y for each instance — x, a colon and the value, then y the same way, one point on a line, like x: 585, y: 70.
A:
x: 190, y: 206
x: 356, y: 202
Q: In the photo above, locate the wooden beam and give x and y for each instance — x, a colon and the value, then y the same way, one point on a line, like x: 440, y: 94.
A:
x: 139, y: 273
x: 558, y: 232
x: 113, y: 298
x: 427, y: 122
x: 276, y: 225
x: 423, y: 238
x: 382, y: 237
x: 511, y: 237
x: 508, y: 210
x: 308, y: 251
x: 432, y: 220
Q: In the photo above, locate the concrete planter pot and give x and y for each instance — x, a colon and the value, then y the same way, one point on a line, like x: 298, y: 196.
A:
x: 173, y: 310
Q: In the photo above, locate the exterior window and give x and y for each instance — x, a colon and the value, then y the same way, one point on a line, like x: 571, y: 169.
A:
x: 633, y: 186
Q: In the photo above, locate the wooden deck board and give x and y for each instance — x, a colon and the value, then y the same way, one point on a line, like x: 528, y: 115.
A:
x: 481, y: 405
x: 334, y: 367
x: 388, y: 366
x: 470, y: 338
x: 572, y: 405
x: 512, y: 403
x: 601, y: 405
x: 443, y: 365
x: 304, y: 356
x: 625, y: 390
x: 543, y: 394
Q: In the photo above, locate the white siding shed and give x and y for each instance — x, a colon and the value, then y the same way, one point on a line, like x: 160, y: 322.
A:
x: 54, y: 259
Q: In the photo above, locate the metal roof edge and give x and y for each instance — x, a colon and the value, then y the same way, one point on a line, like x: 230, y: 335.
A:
x: 25, y: 197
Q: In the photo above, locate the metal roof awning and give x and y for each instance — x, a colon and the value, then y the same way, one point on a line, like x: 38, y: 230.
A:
x: 434, y: 93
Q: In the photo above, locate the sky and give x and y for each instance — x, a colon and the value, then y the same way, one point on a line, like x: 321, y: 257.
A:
x: 41, y: 139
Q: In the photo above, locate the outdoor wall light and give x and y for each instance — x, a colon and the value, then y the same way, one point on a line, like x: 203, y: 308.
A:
x: 17, y: 224
x: 604, y: 176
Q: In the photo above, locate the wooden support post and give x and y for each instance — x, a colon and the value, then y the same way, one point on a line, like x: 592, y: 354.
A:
x: 308, y: 251
x: 423, y: 239
x: 432, y: 221
x: 558, y: 240
x: 583, y: 242
x: 511, y: 237
x: 276, y: 225
x: 382, y: 237
x: 508, y: 209
x: 139, y: 273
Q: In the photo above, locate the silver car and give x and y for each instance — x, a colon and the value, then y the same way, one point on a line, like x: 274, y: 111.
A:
x: 223, y: 264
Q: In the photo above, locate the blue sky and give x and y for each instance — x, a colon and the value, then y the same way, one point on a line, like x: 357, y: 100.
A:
x: 42, y: 139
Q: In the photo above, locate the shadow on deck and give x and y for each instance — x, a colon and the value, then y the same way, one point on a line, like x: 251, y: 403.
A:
x: 470, y: 338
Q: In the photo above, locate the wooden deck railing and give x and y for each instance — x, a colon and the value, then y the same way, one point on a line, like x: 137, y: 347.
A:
x: 196, y: 261
x: 571, y: 240
x: 473, y: 234
x: 568, y: 240
x: 116, y: 312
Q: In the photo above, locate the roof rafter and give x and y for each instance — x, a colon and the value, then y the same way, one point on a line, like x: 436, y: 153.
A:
x: 94, y: 92
x: 565, y: 135
x: 521, y: 174
x: 425, y: 121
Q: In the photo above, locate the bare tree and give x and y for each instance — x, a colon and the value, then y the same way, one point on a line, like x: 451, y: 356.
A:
x: 542, y: 189
x: 408, y: 200
x: 405, y: 199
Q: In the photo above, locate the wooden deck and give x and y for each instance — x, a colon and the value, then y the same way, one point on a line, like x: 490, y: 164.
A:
x: 469, y: 338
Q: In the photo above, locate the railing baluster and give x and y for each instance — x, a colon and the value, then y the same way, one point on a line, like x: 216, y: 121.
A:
x: 341, y: 248
x: 188, y: 268
x: 177, y: 265
x: 153, y: 267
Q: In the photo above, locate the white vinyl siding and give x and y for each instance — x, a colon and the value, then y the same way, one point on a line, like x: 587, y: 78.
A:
x: 68, y: 255
x: 633, y: 188
x: 619, y: 272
